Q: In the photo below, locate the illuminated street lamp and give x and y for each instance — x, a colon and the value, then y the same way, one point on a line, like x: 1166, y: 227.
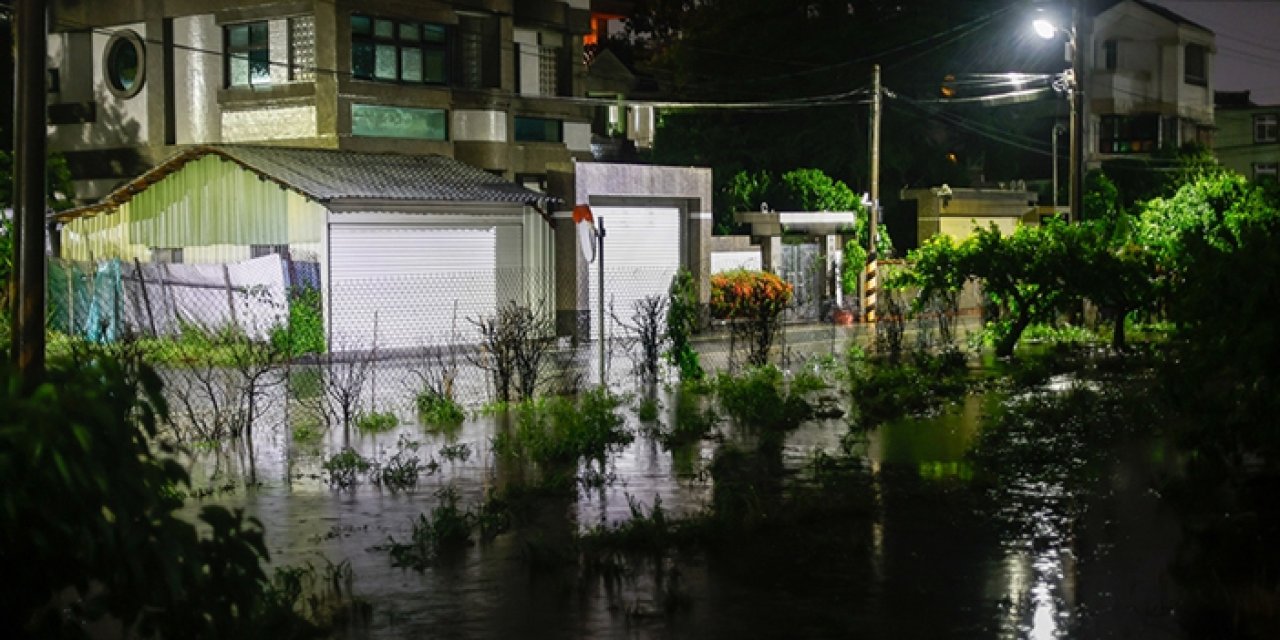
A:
x: 1073, y: 82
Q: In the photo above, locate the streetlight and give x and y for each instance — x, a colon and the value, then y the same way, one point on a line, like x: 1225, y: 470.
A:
x: 1073, y: 80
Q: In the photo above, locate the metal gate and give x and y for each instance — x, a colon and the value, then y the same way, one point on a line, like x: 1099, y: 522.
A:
x: 800, y: 268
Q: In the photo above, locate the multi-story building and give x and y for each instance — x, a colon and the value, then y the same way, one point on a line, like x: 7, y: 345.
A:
x: 1149, y: 81
x: 481, y: 81
x: 1248, y: 137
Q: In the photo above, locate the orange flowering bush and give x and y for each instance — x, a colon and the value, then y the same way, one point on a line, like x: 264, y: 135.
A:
x: 741, y: 294
x: 754, y: 300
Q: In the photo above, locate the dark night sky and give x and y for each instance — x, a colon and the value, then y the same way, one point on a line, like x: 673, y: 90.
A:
x: 1248, y: 50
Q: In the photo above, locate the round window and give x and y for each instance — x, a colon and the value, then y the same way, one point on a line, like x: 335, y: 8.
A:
x: 125, y: 65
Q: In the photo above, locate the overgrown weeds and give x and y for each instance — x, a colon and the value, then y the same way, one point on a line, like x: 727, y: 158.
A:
x: 376, y: 422
x: 758, y: 397
x: 438, y: 410
x: 448, y: 529
x: 343, y: 469
x: 556, y: 434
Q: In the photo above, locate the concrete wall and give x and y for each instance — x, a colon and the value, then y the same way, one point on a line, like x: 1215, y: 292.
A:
x: 733, y: 252
x: 185, y: 101
x: 966, y: 208
x: 1234, y: 143
x: 605, y: 184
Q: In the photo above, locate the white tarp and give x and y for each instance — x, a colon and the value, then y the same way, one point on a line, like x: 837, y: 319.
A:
x: 249, y: 296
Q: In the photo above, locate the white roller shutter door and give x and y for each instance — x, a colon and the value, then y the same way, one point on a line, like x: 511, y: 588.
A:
x: 419, y: 283
x: 641, y: 254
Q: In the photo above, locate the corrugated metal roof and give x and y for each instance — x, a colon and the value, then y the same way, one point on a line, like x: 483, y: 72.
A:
x: 326, y: 175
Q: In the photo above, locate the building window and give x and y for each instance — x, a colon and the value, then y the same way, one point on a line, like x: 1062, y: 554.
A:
x: 1265, y: 128
x: 1266, y: 171
x: 248, y: 54
x: 539, y: 62
x: 166, y: 255
x: 1109, y: 51
x: 1196, y: 71
x: 264, y: 250
x: 302, y: 49
x: 1129, y: 134
x: 377, y: 121
x: 539, y: 130
x: 394, y: 51
x: 125, y: 64
x: 478, y: 56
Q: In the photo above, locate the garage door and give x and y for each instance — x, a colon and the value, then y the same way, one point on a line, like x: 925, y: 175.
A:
x: 417, y: 284
x: 642, y: 253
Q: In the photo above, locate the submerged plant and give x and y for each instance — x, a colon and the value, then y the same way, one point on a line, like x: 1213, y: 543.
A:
x: 447, y: 529
x: 456, y: 452
x: 439, y: 410
x: 402, y: 470
x: 558, y: 430
x: 647, y: 410
x: 343, y: 469
x: 758, y: 397
x: 377, y: 422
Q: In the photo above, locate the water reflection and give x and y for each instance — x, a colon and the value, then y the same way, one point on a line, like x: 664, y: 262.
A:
x: 936, y: 553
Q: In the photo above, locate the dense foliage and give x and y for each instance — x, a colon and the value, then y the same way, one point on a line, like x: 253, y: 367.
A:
x: 683, y: 320
x: 89, y: 524
x: 744, y: 294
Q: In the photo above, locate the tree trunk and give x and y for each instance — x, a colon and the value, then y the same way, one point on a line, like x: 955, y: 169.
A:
x: 1117, y: 332
x: 1004, y: 348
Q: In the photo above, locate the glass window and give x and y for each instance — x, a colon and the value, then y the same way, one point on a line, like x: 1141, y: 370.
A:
x: 361, y: 25
x: 125, y: 63
x: 1266, y: 171
x: 248, y: 54
x: 395, y: 51
x: 1129, y: 134
x: 411, y: 65
x: 302, y: 49
x: 378, y: 121
x: 385, y: 62
x: 1196, y: 71
x: 263, y: 250
x: 168, y: 255
x: 1109, y: 49
x: 1265, y: 128
x: 539, y: 130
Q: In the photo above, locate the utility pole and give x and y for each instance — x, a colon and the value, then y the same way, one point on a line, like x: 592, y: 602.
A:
x: 873, y: 221
x: 1078, y: 10
x: 28, y: 190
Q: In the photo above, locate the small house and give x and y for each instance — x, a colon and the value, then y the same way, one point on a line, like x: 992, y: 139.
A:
x: 407, y: 247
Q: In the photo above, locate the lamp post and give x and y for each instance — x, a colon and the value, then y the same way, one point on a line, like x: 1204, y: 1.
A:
x: 1053, y: 138
x: 1073, y: 79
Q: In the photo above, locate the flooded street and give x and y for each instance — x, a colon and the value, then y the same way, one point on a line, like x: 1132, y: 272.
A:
x: 1052, y: 545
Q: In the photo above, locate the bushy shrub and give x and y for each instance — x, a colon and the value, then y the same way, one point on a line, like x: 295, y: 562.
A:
x: 89, y: 529
x: 303, y: 332
x: 747, y: 294
x: 753, y: 301
x: 682, y: 323
x: 557, y: 430
x: 438, y: 410
x: 759, y: 397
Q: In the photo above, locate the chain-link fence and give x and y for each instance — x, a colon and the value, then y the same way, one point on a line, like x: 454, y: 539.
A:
x: 242, y: 344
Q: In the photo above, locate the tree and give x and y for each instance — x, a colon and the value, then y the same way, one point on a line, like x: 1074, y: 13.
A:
x: 1024, y: 274
x: 1214, y: 240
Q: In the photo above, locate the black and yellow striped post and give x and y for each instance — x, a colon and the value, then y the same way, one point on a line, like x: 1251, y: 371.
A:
x: 869, y: 290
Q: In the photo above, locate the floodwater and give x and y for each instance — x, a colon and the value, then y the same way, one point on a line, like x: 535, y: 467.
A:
x: 939, y: 552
